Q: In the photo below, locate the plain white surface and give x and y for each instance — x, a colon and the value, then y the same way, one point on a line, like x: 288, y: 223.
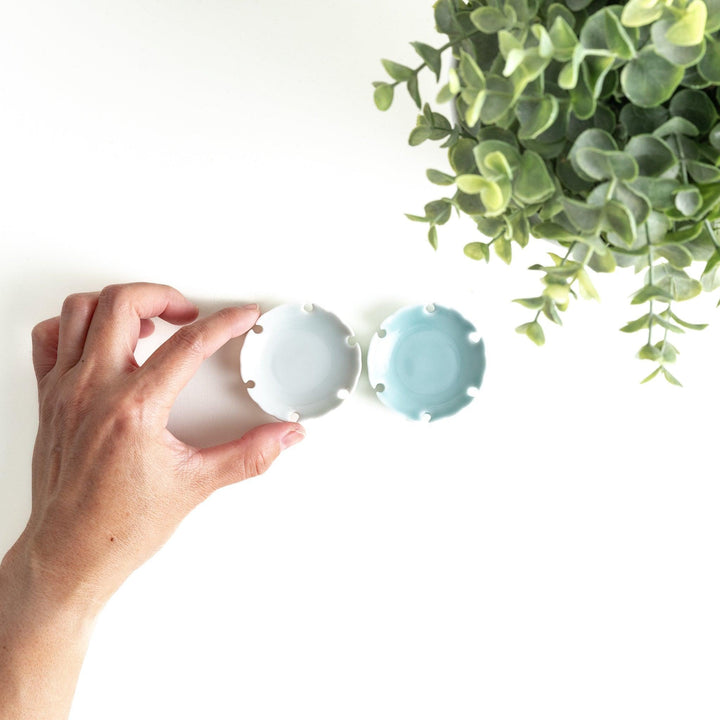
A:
x: 552, y: 551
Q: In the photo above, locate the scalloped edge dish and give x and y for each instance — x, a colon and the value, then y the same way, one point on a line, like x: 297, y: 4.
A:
x: 300, y: 362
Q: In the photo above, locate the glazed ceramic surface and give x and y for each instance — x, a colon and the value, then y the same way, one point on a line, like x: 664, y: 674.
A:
x: 426, y: 362
x: 302, y: 362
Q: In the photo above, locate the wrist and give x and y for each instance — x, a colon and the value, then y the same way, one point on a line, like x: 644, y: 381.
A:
x: 28, y: 589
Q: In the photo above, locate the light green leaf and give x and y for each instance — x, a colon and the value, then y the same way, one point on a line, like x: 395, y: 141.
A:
x: 690, y: 28
x: 478, y: 251
x: 534, y: 331
x: 535, y: 303
x: 383, y: 96
x: 669, y: 377
x: 650, y: 292
x: 637, y: 13
x: 652, y: 375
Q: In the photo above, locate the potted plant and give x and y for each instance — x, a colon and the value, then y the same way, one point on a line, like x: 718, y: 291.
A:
x: 588, y: 124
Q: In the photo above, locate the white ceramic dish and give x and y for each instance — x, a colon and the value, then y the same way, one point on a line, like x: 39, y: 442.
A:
x: 300, y: 362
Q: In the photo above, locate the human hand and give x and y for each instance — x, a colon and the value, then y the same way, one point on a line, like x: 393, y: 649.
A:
x: 110, y: 482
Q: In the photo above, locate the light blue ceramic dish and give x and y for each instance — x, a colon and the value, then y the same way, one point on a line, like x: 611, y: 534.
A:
x: 426, y: 362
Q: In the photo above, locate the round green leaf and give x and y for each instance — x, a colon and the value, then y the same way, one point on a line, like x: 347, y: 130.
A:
x: 649, y: 79
x: 695, y: 107
x: 383, y: 96
x: 683, y: 55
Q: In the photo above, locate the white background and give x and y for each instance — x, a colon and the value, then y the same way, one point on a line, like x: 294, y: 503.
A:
x: 551, y: 551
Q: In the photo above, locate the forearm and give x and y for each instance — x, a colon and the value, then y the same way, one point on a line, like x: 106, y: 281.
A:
x: 43, y: 640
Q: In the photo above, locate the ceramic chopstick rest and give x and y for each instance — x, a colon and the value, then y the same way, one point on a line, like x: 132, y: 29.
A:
x: 426, y: 362
x: 301, y: 362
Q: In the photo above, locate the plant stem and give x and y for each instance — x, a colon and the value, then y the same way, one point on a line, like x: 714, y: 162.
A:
x: 449, y: 44
x: 650, y: 281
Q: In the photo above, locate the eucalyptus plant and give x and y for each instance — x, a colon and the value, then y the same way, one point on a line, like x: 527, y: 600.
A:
x: 587, y: 124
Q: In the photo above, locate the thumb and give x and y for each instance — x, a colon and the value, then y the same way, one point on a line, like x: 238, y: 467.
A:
x: 248, y: 456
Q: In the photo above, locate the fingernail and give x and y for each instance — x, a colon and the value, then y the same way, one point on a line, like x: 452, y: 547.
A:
x: 292, y: 438
x: 252, y: 306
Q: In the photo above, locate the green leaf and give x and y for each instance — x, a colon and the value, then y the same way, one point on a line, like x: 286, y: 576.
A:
x: 534, y: 331
x: 416, y: 218
x: 489, y: 20
x: 606, y: 165
x: 709, y: 66
x: 695, y: 107
x: 533, y: 183
x: 618, y: 220
x: 419, y: 135
x: 649, y: 79
x: 688, y: 201
x: 446, y: 17
x: 641, y: 323
x: 585, y: 218
x: 478, y: 251
x: 676, y: 282
x: 684, y: 56
x: 652, y: 375
x: 471, y: 74
x: 503, y: 249
x: 413, y: 90
x: 654, y: 157
x: 637, y: 13
x: 563, y: 39
x: 438, y: 212
x: 439, y: 178
x: 689, y: 326
x: 713, y: 20
x: 383, y: 96
x: 650, y: 292
x: 494, y: 195
x: 690, y: 28
x: 669, y: 377
x: 678, y: 256
x: 587, y: 289
x: 535, y: 303
x: 398, y: 72
x: 488, y: 154
x: 649, y: 352
x: 433, y: 237
x: 431, y: 56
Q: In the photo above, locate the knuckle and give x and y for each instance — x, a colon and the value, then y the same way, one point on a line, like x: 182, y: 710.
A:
x: 256, y: 463
x: 114, y: 296
x: 76, y: 303
x: 40, y: 332
x: 191, y: 340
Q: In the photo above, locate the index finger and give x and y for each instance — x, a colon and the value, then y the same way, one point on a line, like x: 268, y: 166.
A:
x: 116, y: 324
x: 166, y: 372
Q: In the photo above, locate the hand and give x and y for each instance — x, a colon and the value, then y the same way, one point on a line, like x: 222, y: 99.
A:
x: 110, y: 482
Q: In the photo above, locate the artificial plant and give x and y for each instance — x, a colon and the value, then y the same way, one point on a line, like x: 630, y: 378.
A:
x: 588, y: 124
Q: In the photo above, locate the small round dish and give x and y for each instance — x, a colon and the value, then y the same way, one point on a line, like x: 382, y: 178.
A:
x: 301, y: 362
x: 426, y: 362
